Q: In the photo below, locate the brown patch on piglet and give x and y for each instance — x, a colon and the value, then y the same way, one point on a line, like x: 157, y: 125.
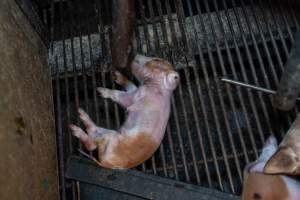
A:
x: 123, y: 151
x: 157, y: 64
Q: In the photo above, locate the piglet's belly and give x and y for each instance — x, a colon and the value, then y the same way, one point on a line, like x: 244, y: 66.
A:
x: 123, y: 151
x: 142, y: 121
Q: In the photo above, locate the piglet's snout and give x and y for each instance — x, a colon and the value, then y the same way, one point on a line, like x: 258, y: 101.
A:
x: 172, y: 80
x: 173, y: 76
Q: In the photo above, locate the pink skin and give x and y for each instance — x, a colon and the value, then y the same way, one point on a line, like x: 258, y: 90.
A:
x: 148, y: 109
x: 268, y: 187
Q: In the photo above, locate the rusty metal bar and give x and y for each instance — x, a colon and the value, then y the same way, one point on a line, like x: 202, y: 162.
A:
x: 220, y: 98
x: 180, y: 15
x: 287, y: 53
x: 297, y: 18
x: 70, y: 9
x: 183, y: 106
x: 83, y: 69
x: 219, y: 158
x: 253, y: 108
x: 95, y: 98
x: 253, y: 70
x: 293, y: 15
x: 245, y: 76
x: 152, y: 18
x: 199, y: 133
x: 270, y: 60
x: 214, y: 70
x: 229, y: 174
x: 227, y: 123
x: 179, y: 137
x: 273, y: 42
x: 162, y: 23
x: 171, y: 22
x: 67, y: 97
x: 157, y: 49
x: 250, y: 58
x: 102, y: 44
x: 242, y: 102
x: 67, y: 94
x: 170, y: 142
x: 264, y: 42
x: 278, y: 28
x: 52, y: 15
x: 145, y: 27
x: 191, y: 143
x: 286, y: 23
x: 259, y: 56
x: 60, y: 135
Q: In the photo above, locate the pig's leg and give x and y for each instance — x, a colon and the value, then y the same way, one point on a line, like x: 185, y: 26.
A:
x: 269, y: 149
x: 125, y: 99
x: 88, y: 142
x: 124, y: 82
x: 92, y: 129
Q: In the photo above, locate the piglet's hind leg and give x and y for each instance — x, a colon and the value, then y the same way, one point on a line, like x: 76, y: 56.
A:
x: 83, y: 137
x: 91, y: 128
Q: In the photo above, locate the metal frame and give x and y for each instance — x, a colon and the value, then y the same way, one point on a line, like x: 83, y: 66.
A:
x: 214, y: 129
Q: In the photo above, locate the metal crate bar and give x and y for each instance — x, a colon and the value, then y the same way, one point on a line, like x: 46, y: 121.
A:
x: 215, y: 129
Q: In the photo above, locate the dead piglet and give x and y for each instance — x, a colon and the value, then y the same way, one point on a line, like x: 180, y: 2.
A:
x: 260, y: 186
x: 148, y: 109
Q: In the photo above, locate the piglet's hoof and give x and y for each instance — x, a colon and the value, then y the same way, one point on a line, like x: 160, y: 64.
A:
x: 76, y: 131
x: 119, y: 78
x: 103, y: 92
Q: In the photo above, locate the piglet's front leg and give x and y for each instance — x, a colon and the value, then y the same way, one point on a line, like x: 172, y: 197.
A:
x: 125, y: 99
x: 124, y: 82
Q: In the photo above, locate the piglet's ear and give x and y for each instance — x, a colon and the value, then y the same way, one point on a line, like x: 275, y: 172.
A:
x: 269, y: 149
x: 284, y: 161
x: 257, y: 167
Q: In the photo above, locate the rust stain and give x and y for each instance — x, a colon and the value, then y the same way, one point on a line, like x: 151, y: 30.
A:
x: 20, y: 125
x: 20, y: 122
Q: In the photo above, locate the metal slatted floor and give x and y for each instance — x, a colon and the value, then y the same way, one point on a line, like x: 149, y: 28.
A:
x: 214, y: 128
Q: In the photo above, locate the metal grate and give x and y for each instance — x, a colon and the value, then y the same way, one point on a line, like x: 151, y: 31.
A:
x: 214, y: 128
